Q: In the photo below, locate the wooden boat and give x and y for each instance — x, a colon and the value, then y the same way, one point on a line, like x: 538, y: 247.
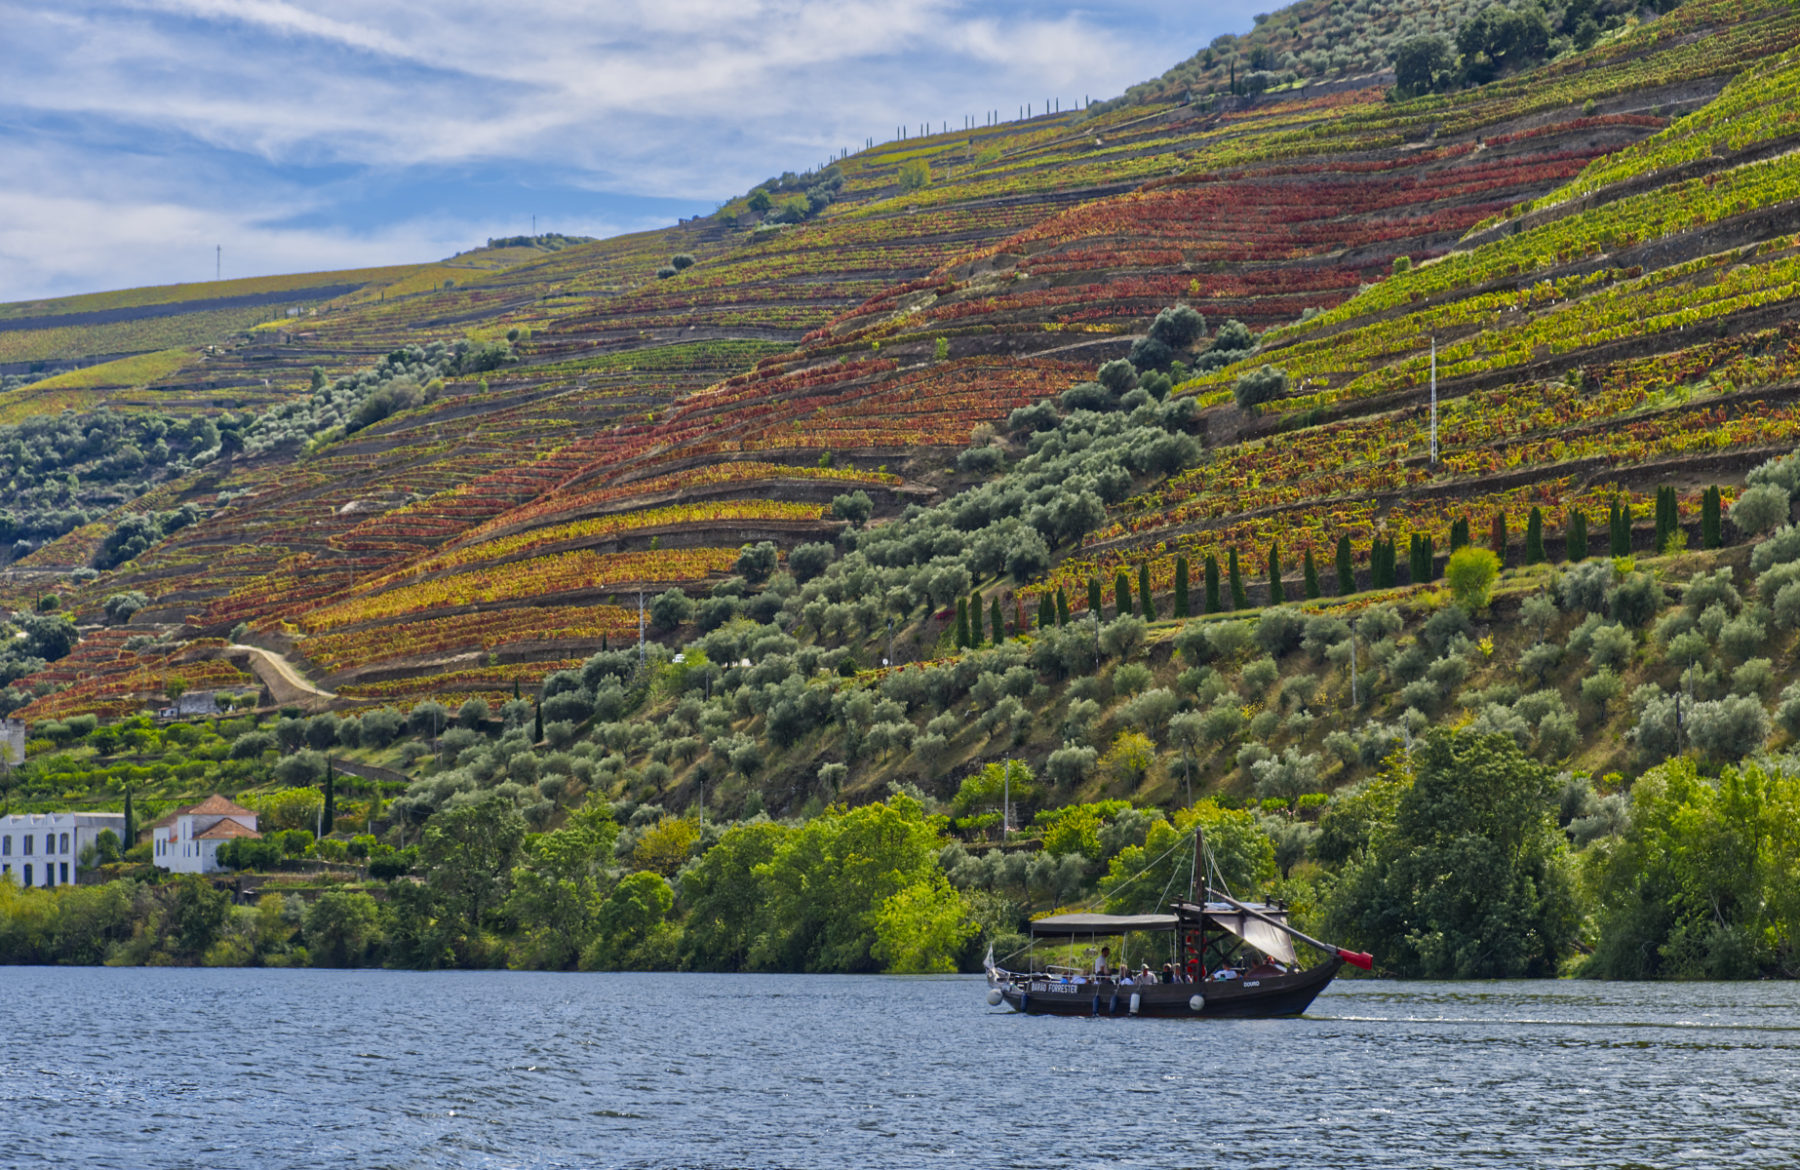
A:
x: 1227, y: 959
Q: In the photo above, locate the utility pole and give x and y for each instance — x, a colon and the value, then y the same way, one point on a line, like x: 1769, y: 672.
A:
x: 218, y: 260
x: 1434, y: 443
x: 1354, y: 701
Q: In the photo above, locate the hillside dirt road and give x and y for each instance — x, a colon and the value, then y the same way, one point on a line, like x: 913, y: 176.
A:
x: 285, y: 683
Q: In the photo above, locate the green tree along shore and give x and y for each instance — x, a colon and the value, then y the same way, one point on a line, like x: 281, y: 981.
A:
x: 1462, y: 858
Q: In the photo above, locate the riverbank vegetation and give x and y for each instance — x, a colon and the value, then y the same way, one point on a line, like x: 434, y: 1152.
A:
x: 1462, y: 858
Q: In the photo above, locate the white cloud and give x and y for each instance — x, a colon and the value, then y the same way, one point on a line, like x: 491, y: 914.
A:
x: 673, y: 98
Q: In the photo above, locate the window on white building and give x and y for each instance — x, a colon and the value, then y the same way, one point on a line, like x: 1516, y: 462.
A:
x: 28, y: 875
x: 6, y: 845
x: 28, y: 839
x: 65, y: 873
x: 49, y: 842
x: 65, y: 843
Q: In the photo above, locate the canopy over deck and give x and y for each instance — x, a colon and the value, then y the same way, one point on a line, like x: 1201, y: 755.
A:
x: 1264, y: 936
x: 1090, y: 925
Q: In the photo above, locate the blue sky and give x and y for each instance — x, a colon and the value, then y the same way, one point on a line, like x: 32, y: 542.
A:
x: 313, y: 134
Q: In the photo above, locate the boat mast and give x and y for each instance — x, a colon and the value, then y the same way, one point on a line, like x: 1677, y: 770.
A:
x: 1197, y: 896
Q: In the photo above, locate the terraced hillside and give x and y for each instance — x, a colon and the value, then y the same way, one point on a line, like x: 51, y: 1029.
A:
x: 529, y: 450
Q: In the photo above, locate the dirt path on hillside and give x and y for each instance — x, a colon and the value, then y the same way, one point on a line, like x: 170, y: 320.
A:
x: 286, y: 685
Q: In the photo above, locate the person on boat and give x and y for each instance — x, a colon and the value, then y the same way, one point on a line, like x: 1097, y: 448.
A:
x: 1103, y: 963
x: 1145, y: 975
x: 1168, y: 973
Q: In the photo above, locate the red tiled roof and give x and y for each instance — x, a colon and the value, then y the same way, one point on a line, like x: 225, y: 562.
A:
x: 165, y: 821
x: 216, y: 805
x: 225, y: 830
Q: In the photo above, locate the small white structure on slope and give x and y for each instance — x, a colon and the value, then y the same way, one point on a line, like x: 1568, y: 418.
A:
x: 188, y: 839
x: 44, y: 849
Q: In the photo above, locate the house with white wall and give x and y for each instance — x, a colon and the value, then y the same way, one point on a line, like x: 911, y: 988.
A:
x: 188, y: 839
x: 44, y: 849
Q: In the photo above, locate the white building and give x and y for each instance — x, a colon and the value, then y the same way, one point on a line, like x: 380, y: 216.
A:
x: 44, y: 849
x: 12, y: 742
x: 188, y: 839
x: 197, y: 705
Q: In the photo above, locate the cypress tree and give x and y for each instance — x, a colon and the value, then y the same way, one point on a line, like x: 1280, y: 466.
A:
x: 1415, y: 568
x: 1146, y: 603
x: 1575, y: 541
x: 962, y: 623
x: 1181, y: 587
x: 997, y: 621
x: 1380, y: 571
x: 1617, y: 541
x: 1121, y: 594
x: 1094, y: 597
x: 1346, y: 568
x: 515, y: 688
x: 1711, y: 532
x: 1534, y: 538
x: 1213, y: 603
x: 1429, y: 556
x: 1276, y: 595
x: 1667, y: 516
x: 1459, y: 533
x: 1311, y: 576
x: 1239, y: 599
x: 537, y: 720
x: 1062, y: 607
x: 1046, y: 612
x: 975, y: 635
x: 1497, y: 536
x: 330, y: 817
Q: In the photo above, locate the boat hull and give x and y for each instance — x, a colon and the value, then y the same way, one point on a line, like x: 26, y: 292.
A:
x: 1266, y: 998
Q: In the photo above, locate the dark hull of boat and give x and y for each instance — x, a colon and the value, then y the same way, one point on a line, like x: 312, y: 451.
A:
x: 1242, y: 999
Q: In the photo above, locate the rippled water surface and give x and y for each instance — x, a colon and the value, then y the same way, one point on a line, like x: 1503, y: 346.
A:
x: 216, y: 1069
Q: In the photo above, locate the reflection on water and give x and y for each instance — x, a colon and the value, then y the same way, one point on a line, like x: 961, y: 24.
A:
x: 217, y: 1069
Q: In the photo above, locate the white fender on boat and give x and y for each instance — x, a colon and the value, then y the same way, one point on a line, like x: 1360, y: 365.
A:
x: 995, y: 998
x: 1134, y: 1003
x: 1197, y: 1003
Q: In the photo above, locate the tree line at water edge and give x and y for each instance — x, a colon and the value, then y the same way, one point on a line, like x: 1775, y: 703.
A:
x: 1462, y: 858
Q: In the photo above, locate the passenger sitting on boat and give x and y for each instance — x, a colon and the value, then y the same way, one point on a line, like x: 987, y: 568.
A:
x: 1224, y: 973
x: 1168, y: 974
x: 1145, y: 975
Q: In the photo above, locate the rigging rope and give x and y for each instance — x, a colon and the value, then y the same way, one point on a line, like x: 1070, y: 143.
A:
x: 1184, y: 839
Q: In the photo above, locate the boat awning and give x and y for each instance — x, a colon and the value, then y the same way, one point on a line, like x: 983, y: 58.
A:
x: 1097, y: 924
x: 1265, y: 937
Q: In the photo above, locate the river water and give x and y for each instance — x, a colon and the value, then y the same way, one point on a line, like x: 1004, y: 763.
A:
x: 274, y: 1069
